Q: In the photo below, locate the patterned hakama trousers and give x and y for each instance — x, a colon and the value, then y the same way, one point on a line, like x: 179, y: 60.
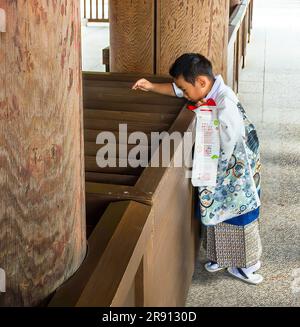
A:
x: 232, y: 245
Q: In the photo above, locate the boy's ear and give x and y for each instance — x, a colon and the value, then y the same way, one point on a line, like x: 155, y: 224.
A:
x: 201, y: 80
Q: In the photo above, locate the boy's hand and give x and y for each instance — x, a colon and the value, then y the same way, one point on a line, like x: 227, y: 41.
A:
x: 143, y: 84
x: 160, y: 88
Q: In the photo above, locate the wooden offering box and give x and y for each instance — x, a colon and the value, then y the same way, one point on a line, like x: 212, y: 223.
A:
x: 109, y: 101
x: 143, y: 236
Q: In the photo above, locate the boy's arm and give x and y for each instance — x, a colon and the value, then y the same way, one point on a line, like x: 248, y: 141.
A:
x: 161, y: 88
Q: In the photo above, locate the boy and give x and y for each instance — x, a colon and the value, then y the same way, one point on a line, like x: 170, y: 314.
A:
x: 229, y: 207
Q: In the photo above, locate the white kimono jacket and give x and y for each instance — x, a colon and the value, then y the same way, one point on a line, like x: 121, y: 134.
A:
x: 234, y: 190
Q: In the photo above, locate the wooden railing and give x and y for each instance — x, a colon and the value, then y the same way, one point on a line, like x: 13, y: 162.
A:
x: 95, y: 11
x: 240, y: 24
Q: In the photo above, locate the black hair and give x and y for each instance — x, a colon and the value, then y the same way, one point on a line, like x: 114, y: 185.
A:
x: 190, y: 66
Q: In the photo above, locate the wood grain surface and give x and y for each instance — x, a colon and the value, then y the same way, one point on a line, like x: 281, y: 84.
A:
x: 131, y: 35
x: 192, y: 26
x: 147, y: 36
x: 42, y: 211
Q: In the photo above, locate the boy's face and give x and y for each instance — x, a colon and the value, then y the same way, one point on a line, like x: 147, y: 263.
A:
x: 195, y: 92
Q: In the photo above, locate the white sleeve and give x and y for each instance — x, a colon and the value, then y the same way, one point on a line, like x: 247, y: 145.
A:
x: 231, y: 126
x: 177, y: 90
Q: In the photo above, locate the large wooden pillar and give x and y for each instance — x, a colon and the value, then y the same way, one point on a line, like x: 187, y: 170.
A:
x: 147, y: 36
x: 42, y: 209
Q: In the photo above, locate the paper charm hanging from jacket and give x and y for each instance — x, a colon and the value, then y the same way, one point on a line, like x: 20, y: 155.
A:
x: 226, y: 164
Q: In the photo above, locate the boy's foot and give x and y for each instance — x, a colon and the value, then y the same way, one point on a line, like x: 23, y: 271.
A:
x: 212, y: 266
x: 252, y: 268
x: 248, y: 277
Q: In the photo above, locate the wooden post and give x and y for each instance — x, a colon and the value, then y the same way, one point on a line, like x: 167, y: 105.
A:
x: 147, y: 36
x: 192, y: 26
x: 42, y: 210
x: 132, y: 35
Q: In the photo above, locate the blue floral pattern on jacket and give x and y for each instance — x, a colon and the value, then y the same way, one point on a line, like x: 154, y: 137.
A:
x: 238, y: 180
